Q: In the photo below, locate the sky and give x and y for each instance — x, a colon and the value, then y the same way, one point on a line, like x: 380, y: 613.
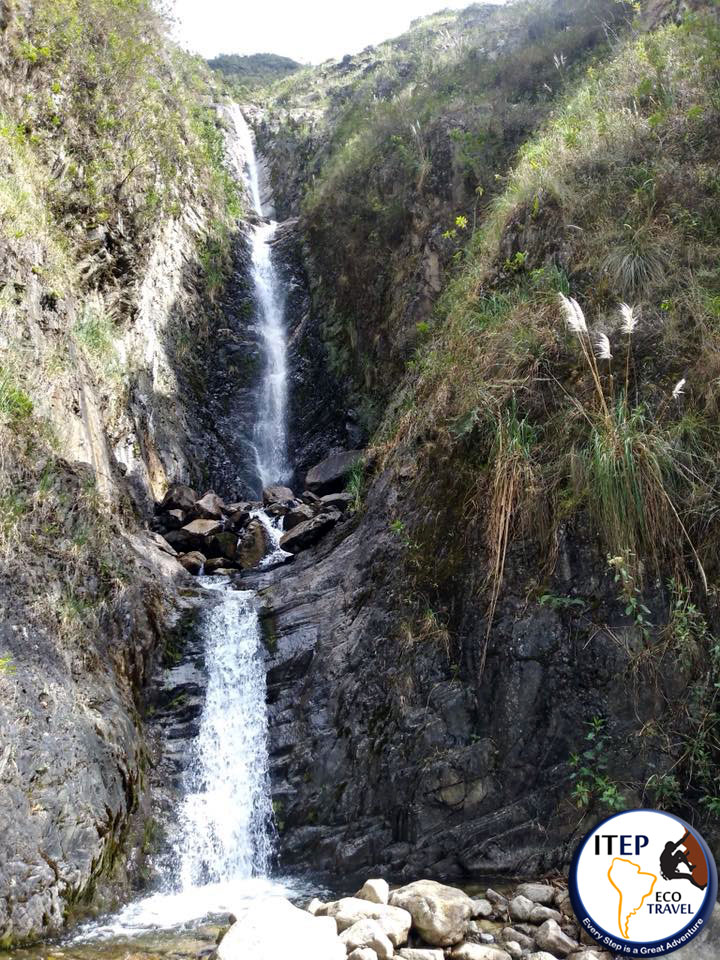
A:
x: 306, y: 30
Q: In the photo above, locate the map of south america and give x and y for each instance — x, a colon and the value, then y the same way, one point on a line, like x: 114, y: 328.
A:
x: 634, y: 888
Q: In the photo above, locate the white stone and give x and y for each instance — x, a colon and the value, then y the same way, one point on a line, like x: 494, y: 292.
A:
x: 272, y: 928
x: 479, y: 951
x: 315, y: 907
x: 394, y: 921
x: 376, y: 891
x: 362, y: 953
x: 367, y: 933
x: 537, y: 892
x: 551, y: 938
x: 439, y: 913
x: 513, y: 948
x: 408, y: 953
x: 482, y: 909
x: 521, y: 908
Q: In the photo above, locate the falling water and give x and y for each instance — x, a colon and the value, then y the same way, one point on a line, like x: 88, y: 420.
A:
x: 270, y: 430
x: 226, y: 813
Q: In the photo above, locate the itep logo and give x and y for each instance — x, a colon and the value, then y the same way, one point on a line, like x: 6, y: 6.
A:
x: 643, y: 883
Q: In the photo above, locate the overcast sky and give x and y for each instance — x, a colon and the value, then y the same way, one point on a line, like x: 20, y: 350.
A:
x: 306, y: 30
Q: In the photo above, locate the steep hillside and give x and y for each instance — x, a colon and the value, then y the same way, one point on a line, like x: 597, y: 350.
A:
x: 116, y: 213
x: 537, y: 644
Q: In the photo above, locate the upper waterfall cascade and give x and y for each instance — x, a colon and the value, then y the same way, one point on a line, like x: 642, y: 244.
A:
x: 270, y: 430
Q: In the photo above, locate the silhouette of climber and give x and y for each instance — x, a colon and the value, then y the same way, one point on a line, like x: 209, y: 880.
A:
x: 672, y: 857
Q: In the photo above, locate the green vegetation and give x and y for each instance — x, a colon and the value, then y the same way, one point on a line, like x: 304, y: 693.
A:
x: 247, y: 73
x: 593, y: 789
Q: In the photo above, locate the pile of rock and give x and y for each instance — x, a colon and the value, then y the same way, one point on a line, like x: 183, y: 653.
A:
x: 210, y: 536
x: 426, y: 920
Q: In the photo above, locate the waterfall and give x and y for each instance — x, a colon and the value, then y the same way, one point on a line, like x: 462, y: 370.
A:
x: 226, y: 815
x: 270, y: 430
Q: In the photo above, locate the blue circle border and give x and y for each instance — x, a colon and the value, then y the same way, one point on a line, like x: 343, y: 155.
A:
x: 703, y: 914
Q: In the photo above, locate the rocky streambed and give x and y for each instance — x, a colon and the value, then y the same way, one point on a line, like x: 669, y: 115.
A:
x: 427, y: 920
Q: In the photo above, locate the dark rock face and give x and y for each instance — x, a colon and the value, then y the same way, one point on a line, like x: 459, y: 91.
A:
x: 393, y: 751
x: 305, y: 534
x: 331, y: 475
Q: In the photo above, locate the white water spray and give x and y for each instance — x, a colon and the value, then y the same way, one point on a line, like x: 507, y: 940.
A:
x: 270, y: 431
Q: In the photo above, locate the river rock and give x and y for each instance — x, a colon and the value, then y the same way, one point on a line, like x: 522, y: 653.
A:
x: 209, y: 507
x: 272, y: 928
x: 193, y: 562
x: 362, y: 953
x: 540, y: 914
x: 179, y: 497
x: 305, y: 534
x: 367, y: 933
x: 537, y: 892
x: 412, y: 953
x: 521, y: 908
x: 297, y: 515
x: 395, y: 921
x: 329, y: 475
x: 439, y: 912
x: 498, y: 900
x: 513, y: 948
x: 479, y: 951
x: 253, y: 545
x: 223, y: 544
x: 315, y: 906
x: 376, y: 891
x: 276, y: 493
x: 541, y: 955
x: 237, y: 520
x: 551, y: 938
x: 508, y: 934
x: 482, y: 909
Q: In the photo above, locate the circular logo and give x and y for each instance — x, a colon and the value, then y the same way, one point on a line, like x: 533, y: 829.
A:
x: 643, y: 883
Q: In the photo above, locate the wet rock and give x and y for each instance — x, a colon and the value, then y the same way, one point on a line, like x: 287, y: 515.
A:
x: 253, y: 545
x: 367, y: 933
x: 278, y: 509
x: 273, y: 928
x: 394, y: 921
x: 214, y: 564
x: 341, y: 501
x: 330, y: 475
x: 223, y: 544
x: 297, y: 515
x: 193, y: 536
x: 439, y: 912
x: 311, y: 498
x: 376, y: 891
x: 305, y: 534
x: 521, y: 908
x: 276, y: 493
x: 237, y: 520
x: 193, y: 562
x: 209, y: 507
x: 551, y: 938
x: 537, y: 892
x: 179, y: 497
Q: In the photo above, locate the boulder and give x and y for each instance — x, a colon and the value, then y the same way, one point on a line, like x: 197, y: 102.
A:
x: 482, y: 909
x: 271, y: 928
x: 278, y: 509
x: 514, y: 949
x: 537, y: 892
x: 253, y: 545
x: 194, y: 535
x: 162, y: 544
x: 310, y: 498
x: 341, y: 501
x: 237, y: 520
x: 297, y: 515
x: 276, y: 493
x: 179, y: 497
x: 411, y: 953
x: 209, y: 507
x: 193, y: 562
x: 479, y: 951
x: 551, y: 938
x: 330, y: 475
x: 394, y: 921
x: 509, y: 934
x: 499, y: 901
x: 367, y: 933
x: 173, y: 519
x: 315, y: 906
x: 362, y: 953
x: 521, y: 908
x: 376, y: 891
x: 439, y: 912
x: 223, y: 544
x: 217, y: 563
x: 540, y: 914
x: 305, y: 534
